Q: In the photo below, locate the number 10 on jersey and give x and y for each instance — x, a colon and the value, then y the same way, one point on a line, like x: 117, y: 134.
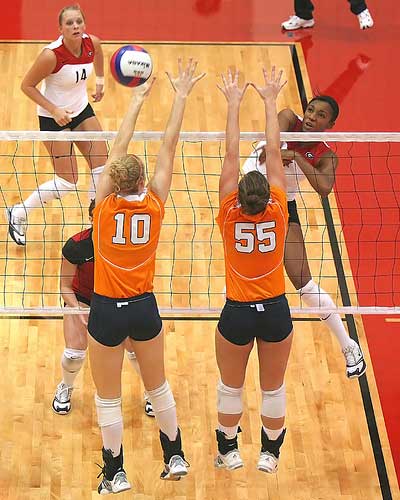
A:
x: 139, y: 229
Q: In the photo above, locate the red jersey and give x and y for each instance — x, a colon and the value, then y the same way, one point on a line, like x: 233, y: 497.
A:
x: 310, y: 150
x: 78, y: 250
x: 254, y: 247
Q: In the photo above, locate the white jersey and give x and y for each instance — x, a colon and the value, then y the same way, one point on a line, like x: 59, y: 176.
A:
x: 66, y: 87
x: 294, y: 175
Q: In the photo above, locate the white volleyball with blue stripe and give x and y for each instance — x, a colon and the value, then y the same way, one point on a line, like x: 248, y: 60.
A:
x: 131, y: 65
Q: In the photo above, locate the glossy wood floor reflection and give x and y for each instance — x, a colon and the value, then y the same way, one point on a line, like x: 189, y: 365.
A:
x: 327, y: 453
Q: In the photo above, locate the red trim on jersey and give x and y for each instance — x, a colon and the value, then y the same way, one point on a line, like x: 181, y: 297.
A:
x: 64, y: 56
x: 312, y: 151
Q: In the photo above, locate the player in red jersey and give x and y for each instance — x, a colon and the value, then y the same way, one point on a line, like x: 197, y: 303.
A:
x: 64, y: 67
x: 316, y: 162
x: 76, y: 286
x: 253, y: 221
x: 126, y: 228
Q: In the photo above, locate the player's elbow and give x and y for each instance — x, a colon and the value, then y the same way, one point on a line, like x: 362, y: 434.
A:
x: 324, y: 190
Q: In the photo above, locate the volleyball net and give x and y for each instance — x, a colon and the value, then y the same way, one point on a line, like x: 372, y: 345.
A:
x: 352, y: 237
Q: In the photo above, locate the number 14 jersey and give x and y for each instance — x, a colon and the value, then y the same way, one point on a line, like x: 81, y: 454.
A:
x: 126, y: 231
x: 254, y: 247
x: 66, y: 87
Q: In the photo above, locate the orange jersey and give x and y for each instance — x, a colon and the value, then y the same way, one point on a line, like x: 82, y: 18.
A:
x: 125, y: 238
x: 254, y: 247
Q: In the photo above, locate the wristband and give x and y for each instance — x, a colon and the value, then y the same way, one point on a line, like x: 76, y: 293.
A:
x: 100, y: 80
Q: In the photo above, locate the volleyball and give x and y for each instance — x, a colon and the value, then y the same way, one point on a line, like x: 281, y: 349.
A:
x: 131, y: 65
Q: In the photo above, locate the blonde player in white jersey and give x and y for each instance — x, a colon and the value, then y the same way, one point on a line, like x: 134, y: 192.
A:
x: 316, y: 162
x: 64, y: 67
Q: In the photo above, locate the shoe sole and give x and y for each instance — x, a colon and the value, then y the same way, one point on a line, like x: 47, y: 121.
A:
x: 10, y: 231
x: 121, y: 490
x: 268, y: 471
x: 60, y: 412
x: 176, y: 476
x: 221, y: 465
x: 358, y: 375
x: 299, y: 28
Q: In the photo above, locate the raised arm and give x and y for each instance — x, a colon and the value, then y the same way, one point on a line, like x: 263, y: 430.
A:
x: 269, y: 93
x: 124, y: 136
x: 160, y: 183
x: 229, y: 178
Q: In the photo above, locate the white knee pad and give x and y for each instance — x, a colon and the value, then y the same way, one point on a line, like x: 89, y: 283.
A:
x: 229, y: 399
x: 109, y: 411
x: 314, y: 296
x: 73, y: 359
x: 63, y: 187
x: 274, y: 403
x: 162, y: 398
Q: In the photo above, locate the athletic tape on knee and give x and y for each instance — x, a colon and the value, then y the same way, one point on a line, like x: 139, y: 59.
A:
x: 162, y: 398
x: 314, y: 296
x: 229, y: 399
x: 274, y: 403
x: 109, y: 411
x: 73, y: 359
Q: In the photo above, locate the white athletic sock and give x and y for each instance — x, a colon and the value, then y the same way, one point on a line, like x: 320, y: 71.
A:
x: 314, y: 296
x: 272, y: 434
x: 50, y: 190
x: 71, y: 364
x: 112, y: 437
x: 109, y: 418
x: 230, y: 432
x: 94, y: 181
x: 164, y: 409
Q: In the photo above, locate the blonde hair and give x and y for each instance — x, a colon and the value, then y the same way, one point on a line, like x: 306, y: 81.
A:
x: 253, y: 192
x: 126, y: 173
x: 69, y: 7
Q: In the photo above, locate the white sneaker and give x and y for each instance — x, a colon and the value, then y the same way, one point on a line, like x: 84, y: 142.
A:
x: 296, y: 22
x: 116, y: 485
x: 176, y: 468
x: 355, y: 363
x: 365, y: 19
x: 267, y: 462
x: 62, y: 399
x: 230, y: 461
x: 17, y: 225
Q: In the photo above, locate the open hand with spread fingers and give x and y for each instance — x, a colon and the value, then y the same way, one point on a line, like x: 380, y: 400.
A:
x: 185, y: 80
x: 273, y: 84
x: 230, y: 87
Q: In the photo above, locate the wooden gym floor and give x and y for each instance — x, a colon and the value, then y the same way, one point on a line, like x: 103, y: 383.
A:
x: 327, y: 453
